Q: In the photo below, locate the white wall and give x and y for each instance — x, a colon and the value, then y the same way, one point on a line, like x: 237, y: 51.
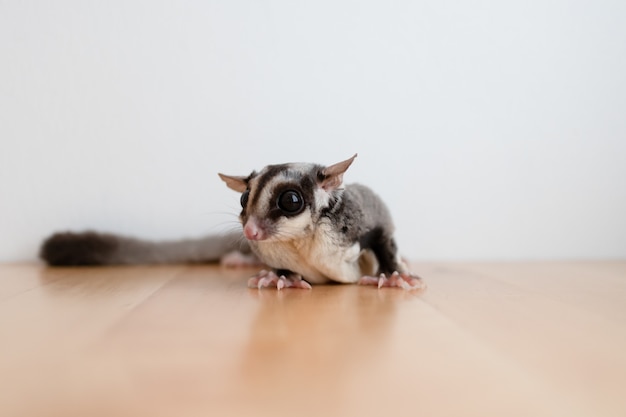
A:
x: 494, y: 129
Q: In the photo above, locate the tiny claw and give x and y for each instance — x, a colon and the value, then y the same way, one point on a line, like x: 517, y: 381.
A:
x: 403, y: 280
x: 411, y: 282
x: 381, y: 281
x: 404, y: 285
x: 266, y: 281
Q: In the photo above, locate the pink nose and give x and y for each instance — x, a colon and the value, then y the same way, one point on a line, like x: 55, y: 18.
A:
x: 252, y: 231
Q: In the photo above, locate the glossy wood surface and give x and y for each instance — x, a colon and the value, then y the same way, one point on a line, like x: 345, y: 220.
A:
x: 494, y: 339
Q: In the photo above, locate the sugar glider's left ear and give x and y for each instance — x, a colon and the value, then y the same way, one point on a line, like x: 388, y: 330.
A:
x: 331, y: 178
x: 239, y: 184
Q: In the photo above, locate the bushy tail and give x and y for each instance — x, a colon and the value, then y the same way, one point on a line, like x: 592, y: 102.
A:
x: 94, y: 248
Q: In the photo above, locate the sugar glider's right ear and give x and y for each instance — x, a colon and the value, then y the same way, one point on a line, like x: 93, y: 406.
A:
x: 239, y: 184
x: 331, y: 177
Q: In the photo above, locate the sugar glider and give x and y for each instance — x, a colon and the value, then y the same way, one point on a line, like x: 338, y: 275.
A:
x: 298, y: 219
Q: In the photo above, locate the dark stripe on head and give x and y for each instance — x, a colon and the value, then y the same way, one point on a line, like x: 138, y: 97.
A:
x: 264, y: 178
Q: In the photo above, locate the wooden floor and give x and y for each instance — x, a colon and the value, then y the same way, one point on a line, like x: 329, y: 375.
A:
x: 533, y: 339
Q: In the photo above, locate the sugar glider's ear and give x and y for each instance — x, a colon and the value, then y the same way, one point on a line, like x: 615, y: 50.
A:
x: 331, y: 177
x: 239, y: 184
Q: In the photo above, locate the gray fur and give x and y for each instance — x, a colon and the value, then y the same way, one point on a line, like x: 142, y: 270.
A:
x: 93, y: 248
x: 358, y: 211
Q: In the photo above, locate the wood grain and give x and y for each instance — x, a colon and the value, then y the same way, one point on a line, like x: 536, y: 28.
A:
x: 492, y: 339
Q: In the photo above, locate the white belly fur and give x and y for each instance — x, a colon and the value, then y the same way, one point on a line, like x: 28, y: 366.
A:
x: 318, y: 258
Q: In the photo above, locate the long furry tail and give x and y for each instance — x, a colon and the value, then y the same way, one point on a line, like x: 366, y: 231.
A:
x: 95, y: 248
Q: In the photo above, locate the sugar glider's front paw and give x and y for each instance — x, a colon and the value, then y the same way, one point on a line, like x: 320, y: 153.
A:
x: 403, y: 280
x: 266, y: 279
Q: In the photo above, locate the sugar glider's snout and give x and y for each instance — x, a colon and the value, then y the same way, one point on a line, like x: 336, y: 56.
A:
x: 254, y: 229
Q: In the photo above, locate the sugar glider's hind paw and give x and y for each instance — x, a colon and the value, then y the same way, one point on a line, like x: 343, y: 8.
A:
x: 266, y: 279
x: 403, y: 280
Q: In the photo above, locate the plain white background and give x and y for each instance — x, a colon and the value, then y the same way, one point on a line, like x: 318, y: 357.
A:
x: 495, y: 130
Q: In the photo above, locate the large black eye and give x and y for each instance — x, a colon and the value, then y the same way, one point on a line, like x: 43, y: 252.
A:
x: 290, y: 202
x: 244, y: 198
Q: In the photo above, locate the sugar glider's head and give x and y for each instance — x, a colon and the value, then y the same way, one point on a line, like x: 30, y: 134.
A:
x: 283, y: 202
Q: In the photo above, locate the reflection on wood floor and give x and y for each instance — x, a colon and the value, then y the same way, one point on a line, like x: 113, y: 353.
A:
x: 492, y: 339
